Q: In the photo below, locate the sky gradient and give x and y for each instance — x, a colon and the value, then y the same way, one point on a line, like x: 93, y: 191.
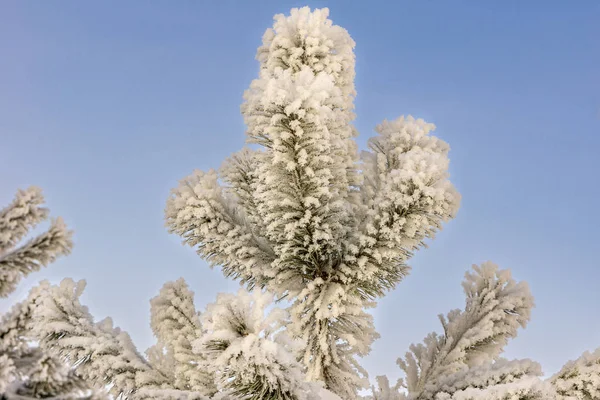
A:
x: 107, y: 105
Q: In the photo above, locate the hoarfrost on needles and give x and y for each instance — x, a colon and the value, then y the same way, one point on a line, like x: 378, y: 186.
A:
x: 316, y: 232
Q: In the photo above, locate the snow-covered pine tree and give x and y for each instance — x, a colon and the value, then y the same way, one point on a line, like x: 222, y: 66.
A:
x: 301, y: 214
x: 27, y: 372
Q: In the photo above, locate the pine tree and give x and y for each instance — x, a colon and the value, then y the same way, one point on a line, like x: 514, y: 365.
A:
x: 248, y: 350
x: 301, y: 214
x: 27, y: 372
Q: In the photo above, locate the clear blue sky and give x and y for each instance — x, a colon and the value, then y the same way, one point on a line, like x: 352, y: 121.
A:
x: 107, y: 105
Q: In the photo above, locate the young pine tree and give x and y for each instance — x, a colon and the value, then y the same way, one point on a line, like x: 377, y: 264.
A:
x: 27, y: 372
x: 301, y: 213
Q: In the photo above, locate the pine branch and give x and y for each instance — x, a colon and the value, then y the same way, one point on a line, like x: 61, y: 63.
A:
x: 387, y: 392
x: 579, y: 379
x: 25, y: 370
x: 405, y: 197
x: 102, y: 354
x: 20, y: 216
x: 33, y: 255
x: 496, y: 307
x: 200, y: 213
x: 528, y: 388
x: 483, y: 376
x: 247, y: 351
x: 176, y: 325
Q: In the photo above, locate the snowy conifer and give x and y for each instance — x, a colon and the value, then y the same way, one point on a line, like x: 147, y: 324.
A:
x: 27, y: 372
x: 303, y: 215
x: 299, y: 214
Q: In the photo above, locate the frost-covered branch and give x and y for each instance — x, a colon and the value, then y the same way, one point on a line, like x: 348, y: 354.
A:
x: 500, y: 372
x: 528, y: 388
x: 16, y: 220
x: 246, y: 349
x: 47, y: 377
x: 20, y: 216
x: 405, y: 197
x: 386, y: 392
x: 496, y: 307
x: 26, y: 371
x: 102, y: 354
x: 579, y: 379
x: 336, y: 330
x: 19, y: 356
x: 176, y: 325
x: 201, y: 213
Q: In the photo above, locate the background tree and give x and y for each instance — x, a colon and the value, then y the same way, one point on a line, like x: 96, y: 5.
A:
x: 301, y: 214
x: 25, y: 370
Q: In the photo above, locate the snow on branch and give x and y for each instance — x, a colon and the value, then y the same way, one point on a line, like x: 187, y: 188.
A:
x: 386, y: 392
x: 579, y: 379
x: 405, y: 197
x: 102, y: 354
x: 199, y: 211
x: 528, y: 388
x: 16, y: 220
x: 247, y: 350
x: 176, y: 325
x: 496, y: 307
x: 499, y: 372
x: 336, y: 330
x: 20, y: 216
x: 309, y: 38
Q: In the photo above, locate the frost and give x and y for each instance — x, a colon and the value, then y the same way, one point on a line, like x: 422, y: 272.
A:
x: 27, y: 371
x: 304, y: 215
x: 248, y: 351
x: 300, y: 216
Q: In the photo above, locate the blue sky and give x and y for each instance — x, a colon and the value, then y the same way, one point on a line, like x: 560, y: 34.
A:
x: 107, y: 105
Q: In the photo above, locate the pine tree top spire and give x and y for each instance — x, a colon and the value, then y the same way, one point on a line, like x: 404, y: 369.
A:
x: 306, y: 216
